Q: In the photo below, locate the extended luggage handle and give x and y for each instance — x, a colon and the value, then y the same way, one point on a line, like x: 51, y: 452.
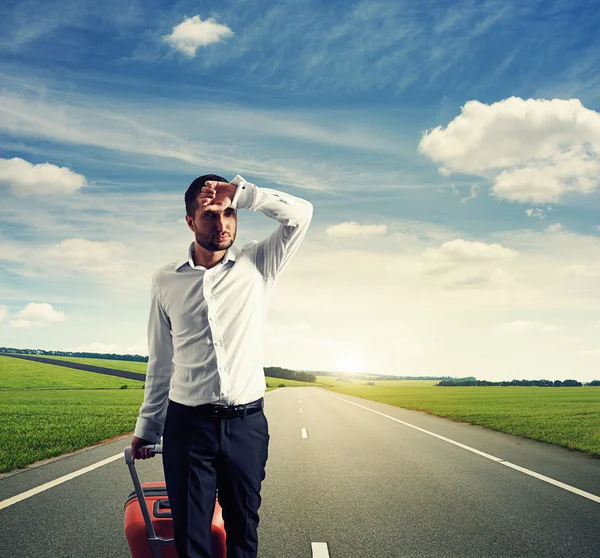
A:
x: 155, y: 542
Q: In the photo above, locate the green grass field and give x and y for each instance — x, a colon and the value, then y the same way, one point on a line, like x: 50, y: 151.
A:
x: 27, y: 375
x: 44, y: 423
x: 567, y: 417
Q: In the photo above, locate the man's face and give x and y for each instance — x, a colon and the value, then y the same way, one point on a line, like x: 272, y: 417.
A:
x: 214, y: 230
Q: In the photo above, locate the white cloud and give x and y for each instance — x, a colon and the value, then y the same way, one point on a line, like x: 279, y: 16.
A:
x: 37, y: 314
x: 523, y: 326
x: 194, y: 33
x: 459, y: 264
x: 3, y: 313
x: 354, y: 229
x: 536, y: 212
x: 535, y: 150
x: 554, y: 228
x: 463, y: 264
x: 460, y: 250
x: 88, y: 255
x: 27, y: 179
x: 475, y: 190
x: 580, y: 270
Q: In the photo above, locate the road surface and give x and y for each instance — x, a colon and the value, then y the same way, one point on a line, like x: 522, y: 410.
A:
x: 385, y: 484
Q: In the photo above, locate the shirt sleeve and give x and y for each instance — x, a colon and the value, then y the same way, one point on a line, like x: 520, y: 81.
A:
x: 153, y: 412
x: 272, y: 254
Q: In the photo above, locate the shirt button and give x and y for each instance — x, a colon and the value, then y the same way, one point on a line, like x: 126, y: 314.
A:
x: 217, y: 344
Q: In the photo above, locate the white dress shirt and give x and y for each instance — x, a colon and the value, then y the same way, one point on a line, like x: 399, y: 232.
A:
x: 206, y: 326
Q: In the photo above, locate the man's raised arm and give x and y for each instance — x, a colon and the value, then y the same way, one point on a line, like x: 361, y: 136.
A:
x: 293, y: 214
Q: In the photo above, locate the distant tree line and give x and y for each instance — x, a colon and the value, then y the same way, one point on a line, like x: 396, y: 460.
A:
x: 358, y: 376
x: 383, y: 377
x: 41, y: 352
x: 540, y: 383
x: 277, y: 372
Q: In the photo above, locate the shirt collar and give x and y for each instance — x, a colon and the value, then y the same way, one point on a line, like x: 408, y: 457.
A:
x: 230, y: 255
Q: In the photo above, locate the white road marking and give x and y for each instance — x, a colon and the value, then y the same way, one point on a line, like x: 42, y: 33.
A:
x: 55, y: 482
x: 304, y: 433
x: 319, y: 550
x: 549, y: 480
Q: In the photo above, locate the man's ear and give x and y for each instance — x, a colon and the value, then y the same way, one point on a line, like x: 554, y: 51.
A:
x: 190, y: 223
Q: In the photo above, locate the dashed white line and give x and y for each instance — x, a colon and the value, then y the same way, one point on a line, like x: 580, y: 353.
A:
x: 319, y: 550
x: 304, y: 433
x: 55, y: 482
x: 549, y: 480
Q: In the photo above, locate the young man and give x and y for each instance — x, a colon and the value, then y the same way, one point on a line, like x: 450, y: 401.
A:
x: 205, y: 380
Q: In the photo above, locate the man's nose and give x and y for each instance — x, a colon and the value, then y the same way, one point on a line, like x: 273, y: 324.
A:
x: 219, y: 223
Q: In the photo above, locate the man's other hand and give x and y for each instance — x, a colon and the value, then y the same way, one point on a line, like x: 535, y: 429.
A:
x: 138, y: 452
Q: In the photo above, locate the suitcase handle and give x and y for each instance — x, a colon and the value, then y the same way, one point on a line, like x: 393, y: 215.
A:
x: 162, y: 508
x: 155, y: 542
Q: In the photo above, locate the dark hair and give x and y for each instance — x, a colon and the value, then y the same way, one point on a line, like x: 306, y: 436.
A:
x: 191, y: 204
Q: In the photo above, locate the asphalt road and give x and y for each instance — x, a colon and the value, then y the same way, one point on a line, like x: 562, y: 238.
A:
x: 367, y: 485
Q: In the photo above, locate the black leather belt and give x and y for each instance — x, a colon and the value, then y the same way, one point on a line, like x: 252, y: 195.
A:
x: 230, y: 411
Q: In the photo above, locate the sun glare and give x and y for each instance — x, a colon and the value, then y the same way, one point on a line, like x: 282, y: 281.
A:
x: 351, y: 361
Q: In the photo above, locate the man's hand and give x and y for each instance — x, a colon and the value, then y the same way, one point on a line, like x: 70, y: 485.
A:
x: 137, y: 452
x: 216, y: 196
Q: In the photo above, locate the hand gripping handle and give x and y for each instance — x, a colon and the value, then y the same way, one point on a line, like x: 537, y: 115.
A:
x: 155, y: 542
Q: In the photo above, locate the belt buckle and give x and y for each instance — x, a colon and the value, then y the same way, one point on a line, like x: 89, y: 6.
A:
x: 217, y: 410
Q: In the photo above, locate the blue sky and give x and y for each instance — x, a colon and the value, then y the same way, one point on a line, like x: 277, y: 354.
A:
x: 451, y: 152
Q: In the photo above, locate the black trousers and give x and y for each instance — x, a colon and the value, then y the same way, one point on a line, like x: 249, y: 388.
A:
x: 202, y: 454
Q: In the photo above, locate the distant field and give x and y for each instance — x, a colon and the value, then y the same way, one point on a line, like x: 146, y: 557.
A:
x: 274, y: 382
x: 16, y: 373
x: 567, y: 417
x: 333, y: 381
x: 133, y: 366
x: 126, y: 365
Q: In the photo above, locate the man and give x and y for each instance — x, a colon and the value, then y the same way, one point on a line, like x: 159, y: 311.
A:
x: 205, y: 380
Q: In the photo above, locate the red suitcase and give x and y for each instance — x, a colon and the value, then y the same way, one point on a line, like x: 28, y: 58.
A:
x: 149, y: 527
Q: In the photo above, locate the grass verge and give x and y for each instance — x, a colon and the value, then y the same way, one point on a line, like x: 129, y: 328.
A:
x: 567, y: 417
x: 45, y: 423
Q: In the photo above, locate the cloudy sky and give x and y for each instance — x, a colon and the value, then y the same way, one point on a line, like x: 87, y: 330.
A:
x: 451, y: 151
